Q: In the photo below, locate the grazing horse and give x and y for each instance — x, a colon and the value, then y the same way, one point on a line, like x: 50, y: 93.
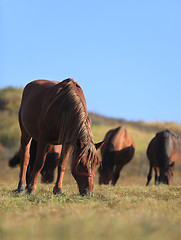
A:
x: 51, y: 162
x: 55, y: 113
x: 117, y: 151
x: 163, y: 152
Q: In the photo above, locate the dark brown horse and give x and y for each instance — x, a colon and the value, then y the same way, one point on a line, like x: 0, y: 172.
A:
x: 164, y: 152
x: 118, y: 150
x: 51, y: 162
x: 55, y: 113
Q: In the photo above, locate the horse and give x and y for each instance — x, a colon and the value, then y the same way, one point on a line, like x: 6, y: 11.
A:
x: 163, y: 152
x: 55, y: 113
x: 51, y: 162
x: 117, y: 150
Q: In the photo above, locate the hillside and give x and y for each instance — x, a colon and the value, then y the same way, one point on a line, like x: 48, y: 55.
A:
x: 142, y: 132
x: 9, y: 129
x: 140, y: 125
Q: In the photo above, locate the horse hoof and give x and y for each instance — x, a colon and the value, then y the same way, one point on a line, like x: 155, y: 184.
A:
x: 30, y: 191
x: 21, y: 188
x: 91, y: 193
x: 57, y: 191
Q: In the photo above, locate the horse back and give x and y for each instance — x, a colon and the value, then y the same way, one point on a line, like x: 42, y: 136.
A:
x: 116, y: 140
x: 42, y: 103
x: 122, y: 139
x: 176, y: 149
x: 164, y: 149
x: 32, y: 104
x: 80, y: 93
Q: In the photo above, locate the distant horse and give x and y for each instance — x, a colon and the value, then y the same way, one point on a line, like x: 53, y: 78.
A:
x: 55, y: 113
x: 163, y: 152
x: 117, y: 151
x: 51, y: 162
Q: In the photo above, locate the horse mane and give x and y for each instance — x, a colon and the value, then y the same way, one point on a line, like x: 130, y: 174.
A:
x: 167, y: 131
x: 72, y: 118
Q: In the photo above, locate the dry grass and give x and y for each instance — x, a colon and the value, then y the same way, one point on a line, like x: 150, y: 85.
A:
x: 128, y: 211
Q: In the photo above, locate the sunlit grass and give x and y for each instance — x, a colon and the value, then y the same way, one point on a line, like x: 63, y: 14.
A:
x: 129, y: 212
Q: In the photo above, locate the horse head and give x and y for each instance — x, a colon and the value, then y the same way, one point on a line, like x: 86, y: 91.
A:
x: 166, y: 174
x: 83, y: 169
x: 106, y: 168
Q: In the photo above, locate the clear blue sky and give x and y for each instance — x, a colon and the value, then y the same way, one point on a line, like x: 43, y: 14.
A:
x: 126, y: 55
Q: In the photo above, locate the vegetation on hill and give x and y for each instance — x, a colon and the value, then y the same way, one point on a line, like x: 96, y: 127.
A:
x: 142, y: 132
x: 139, y: 125
x: 9, y: 128
x: 127, y: 211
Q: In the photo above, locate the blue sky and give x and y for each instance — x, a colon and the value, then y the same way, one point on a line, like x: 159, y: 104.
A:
x: 126, y: 55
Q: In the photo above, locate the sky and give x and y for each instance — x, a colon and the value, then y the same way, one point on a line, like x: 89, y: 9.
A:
x: 125, y: 54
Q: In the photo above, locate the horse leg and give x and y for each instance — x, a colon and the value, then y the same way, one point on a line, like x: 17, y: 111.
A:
x: 149, y: 177
x: 62, y: 165
x: 116, y: 174
x: 33, y: 150
x: 156, y: 176
x: 24, y: 160
x: 42, y: 152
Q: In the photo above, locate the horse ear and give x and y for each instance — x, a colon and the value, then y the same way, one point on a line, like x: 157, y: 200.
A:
x: 80, y: 143
x: 172, y: 164
x: 99, y: 145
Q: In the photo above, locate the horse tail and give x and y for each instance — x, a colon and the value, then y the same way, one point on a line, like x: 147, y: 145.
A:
x: 164, y: 150
x: 15, y: 160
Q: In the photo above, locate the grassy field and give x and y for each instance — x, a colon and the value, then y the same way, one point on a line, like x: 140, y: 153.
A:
x: 127, y: 211
x: 122, y: 212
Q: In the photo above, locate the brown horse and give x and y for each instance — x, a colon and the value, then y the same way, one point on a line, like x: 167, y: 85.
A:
x: 51, y: 162
x: 163, y: 152
x: 117, y: 151
x: 55, y: 113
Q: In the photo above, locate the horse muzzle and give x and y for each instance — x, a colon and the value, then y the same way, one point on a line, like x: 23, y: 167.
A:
x: 84, y: 192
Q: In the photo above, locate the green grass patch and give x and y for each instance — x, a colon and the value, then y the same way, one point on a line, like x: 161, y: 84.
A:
x: 130, y: 212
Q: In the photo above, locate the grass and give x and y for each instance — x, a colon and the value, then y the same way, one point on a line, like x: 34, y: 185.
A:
x: 122, y: 212
x: 128, y: 211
